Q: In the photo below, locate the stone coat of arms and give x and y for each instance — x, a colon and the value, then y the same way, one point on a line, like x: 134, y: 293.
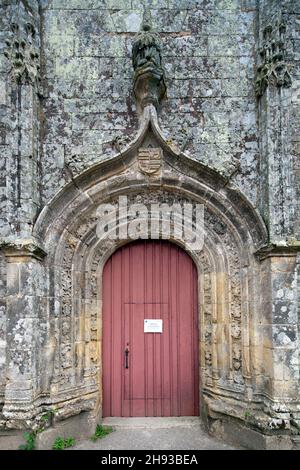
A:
x: 150, y: 160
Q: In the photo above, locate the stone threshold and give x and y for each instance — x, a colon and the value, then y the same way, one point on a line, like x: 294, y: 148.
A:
x: 152, y: 423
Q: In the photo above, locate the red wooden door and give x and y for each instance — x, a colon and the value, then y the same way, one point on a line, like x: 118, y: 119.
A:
x: 150, y: 374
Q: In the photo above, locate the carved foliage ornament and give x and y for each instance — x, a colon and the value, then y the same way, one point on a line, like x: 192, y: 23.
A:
x: 22, y: 49
x: 273, y: 68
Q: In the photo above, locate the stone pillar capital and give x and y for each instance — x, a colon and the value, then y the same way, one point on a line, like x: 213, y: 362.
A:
x: 277, y: 250
x: 21, y: 249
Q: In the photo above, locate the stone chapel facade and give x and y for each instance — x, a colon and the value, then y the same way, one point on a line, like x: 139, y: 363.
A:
x: 210, y: 90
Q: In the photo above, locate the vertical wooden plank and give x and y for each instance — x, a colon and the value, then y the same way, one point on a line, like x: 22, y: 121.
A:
x: 137, y: 360
x: 156, y: 336
x: 149, y: 364
x: 166, y: 344
x: 126, y: 372
x: 185, y: 350
x: 137, y: 263
x: 116, y: 335
x: 125, y: 320
x: 173, y: 302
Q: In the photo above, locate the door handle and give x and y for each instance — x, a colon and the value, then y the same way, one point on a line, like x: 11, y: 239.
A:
x: 126, y: 358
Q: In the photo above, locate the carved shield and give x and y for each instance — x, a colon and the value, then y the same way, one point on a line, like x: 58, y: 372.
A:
x: 149, y: 160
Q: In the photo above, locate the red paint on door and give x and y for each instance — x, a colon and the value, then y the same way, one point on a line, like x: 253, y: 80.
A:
x: 150, y: 374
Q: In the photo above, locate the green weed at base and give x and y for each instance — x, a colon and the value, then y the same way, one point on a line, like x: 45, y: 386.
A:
x: 60, y: 443
x: 30, y: 438
x: 101, y: 431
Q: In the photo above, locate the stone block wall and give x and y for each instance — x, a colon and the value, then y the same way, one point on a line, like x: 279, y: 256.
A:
x: 89, y: 110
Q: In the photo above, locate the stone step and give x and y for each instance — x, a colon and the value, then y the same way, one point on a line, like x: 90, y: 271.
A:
x: 152, y: 423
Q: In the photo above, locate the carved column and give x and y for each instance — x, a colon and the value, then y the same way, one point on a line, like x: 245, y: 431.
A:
x: 25, y: 273
x: 273, y: 90
x: 22, y: 53
x: 24, y: 344
x: 278, y: 206
x: 280, y: 328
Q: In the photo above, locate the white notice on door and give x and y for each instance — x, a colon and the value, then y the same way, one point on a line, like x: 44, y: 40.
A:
x: 153, y: 326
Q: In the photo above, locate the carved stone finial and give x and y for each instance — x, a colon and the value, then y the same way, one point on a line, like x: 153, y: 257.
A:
x: 21, y: 47
x: 147, y: 21
x: 149, y: 81
x: 273, y: 68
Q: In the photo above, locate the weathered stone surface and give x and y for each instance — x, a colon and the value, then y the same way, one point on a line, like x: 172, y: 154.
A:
x: 198, y: 49
x: 22, y: 44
